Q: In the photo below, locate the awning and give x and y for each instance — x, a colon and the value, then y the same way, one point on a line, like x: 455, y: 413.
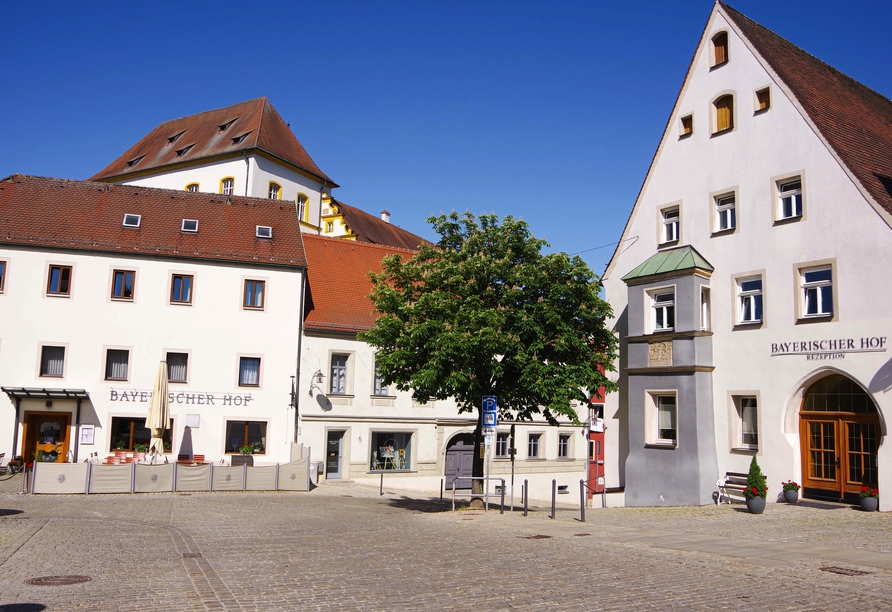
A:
x: 39, y: 393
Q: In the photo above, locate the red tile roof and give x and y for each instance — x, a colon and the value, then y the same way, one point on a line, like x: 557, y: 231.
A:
x: 855, y: 120
x: 339, y: 285
x: 87, y: 216
x: 371, y: 229
x: 263, y: 127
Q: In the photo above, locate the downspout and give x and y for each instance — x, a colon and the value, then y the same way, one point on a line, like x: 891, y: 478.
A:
x: 77, y: 429
x: 319, y: 219
x: 247, y: 171
x: 300, y: 336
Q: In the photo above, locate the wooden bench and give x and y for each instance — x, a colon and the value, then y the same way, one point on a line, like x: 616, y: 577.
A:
x: 195, y: 459
x: 731, y: 481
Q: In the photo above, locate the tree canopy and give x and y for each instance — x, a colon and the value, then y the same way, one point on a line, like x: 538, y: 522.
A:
x: 485, y: 312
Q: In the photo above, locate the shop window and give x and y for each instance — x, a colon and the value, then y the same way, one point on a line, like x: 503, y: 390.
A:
x: 122, y: 285
x: 59, y: 281
x: 116, y: 364
x: 181, y: 289
x: 52, y: 361
x: 253, y: 297
x: 391, y: 450
x: 243, y: 433
x: 177, y: 367
x: 127, y: 432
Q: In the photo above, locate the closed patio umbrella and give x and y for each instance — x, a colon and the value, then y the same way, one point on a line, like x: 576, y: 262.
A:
x: 158, y: 418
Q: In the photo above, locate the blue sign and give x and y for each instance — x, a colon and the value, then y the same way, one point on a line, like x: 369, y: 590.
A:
x: 490, y: 411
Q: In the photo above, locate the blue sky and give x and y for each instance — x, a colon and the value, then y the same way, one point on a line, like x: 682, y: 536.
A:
x: 549, y: 111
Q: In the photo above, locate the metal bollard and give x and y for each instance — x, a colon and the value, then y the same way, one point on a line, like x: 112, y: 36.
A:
x: 502, y: 507
x: 582, y: 500
x: 381, y: 489
x: 553, y: 495
x: 441, y: 489
x: 526, y: 495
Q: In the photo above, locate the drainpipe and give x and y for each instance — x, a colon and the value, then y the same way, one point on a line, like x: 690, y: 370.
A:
x: 321, y: 194
x: 300, y: 336
x: 77, y: 429
x: 247, y: 171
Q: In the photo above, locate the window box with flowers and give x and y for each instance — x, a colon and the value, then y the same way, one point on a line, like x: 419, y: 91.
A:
x: 756, y: 489
x: 245, y: 458
x: 870, y: 498
x: 791, y: 491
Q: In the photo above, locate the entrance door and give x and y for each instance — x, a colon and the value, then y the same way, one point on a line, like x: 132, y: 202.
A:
x: 333, y: 456
x: 838, y: 429
x: 459, y: 462
x: 46, y: 436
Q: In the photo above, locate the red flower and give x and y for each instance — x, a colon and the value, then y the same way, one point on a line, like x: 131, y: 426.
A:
x: 865, y: 489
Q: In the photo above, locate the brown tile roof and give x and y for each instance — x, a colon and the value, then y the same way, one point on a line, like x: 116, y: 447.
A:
x: 855, y: 120
x: 369, y: 228
x: 339, y: 285
x: 86, y: 216
x: 257, y: 120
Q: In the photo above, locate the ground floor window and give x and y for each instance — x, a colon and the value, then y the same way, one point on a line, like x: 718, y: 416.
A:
x: 244, y: 433
x: 502, y: 444
x: 391, y: 450
x: 131, y: 434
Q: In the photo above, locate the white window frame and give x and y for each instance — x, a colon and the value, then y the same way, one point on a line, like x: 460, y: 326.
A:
x: 816, y: 288
x: 565, y: 445
x: 653, y: 408
x: 502, y: 445
x: 534, y: 443
x: 379, y: 389
x: 131, y: 220
x: 189, y: 226
x: 670, y: 224
x: 739, y: 404
x: 303, y: 209
x: 793, y: 195
x: 705, y: 309
x: 277, y: 195
x: 347, y: 387
x: 227, y: 185
x: 725, y: 213
x: 264, y: 231
x: 661, y: 308
x: 748, y: 299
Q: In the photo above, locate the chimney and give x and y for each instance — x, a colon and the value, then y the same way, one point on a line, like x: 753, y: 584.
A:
x: 385, y: 216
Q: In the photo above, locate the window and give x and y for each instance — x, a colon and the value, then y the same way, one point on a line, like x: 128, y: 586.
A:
x: 249, y: 372
x: 339, y: 374
x: 391, y: 450
x: 175, y: 137
x: 189, y: 226
x: 817, y: 292
x: 789, y: 195
x: 132, y: 220
x: 240, y: 138
x: 116, y: 362
x: 275, y: 191
x: 227, y: 185
x: 254, y: 294
x: 177, y: 367
x: 763, y: 99
x: 303, y: 211
x: 380, y: 387
x: 184, y: 150
x: 126, y: 432
x: 52, y: 361
x: 666, y: 419
x: 224, y: 126
x: 181, y: 289
x: 122, y: 285
x: 533, y: 446
x: 264, y: 231
x: 193, y: 187
x: 663, y: 307
x: 719, y: 48
x: 242, y: 433
x: 749, y: 421
x: 135, y: 161
x: 670, y: 224
x: 724, y: 113
x: 687, y: 126
x: 563, y: 446
x: 502, y: 444
x: 2, y: 275
x: 59, y: 281
x: 329, y: 227
x: 705, y: 307
x: 725, y: 213
x: 749, y: 293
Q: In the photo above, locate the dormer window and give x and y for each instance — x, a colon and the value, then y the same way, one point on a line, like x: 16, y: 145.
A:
x: 264, y: 231
x: 239, y: 139
x: 224, y: 126
x: 184, y: 150
x: 719, y: 49
x: 175, y: 137
x: 190, y: 226
x: 132, y: 220
x: 135, y: 161
x: 193, y: 187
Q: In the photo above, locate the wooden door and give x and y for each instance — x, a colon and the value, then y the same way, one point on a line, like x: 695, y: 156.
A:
x: 459, y: 463
x: 46, y: 436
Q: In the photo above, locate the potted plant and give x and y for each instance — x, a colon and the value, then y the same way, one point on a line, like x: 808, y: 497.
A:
x: 791, y: 491
x: 246, y: 457
x: 870, y: 498
x: 756, y: 488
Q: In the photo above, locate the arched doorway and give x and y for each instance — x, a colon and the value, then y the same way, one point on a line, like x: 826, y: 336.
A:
x: 459, y: 461
x: 839, y: 430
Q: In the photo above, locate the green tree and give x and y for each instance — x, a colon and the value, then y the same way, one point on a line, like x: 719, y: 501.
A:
x: 485, y: 312
x: 756, y: 483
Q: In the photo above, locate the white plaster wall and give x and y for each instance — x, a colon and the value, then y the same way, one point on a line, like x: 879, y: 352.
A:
x: 207, y: 175
x: 838, y: 223
x: 215, y: 330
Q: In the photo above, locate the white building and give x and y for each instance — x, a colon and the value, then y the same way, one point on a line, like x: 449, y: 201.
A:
x: 748, y: 283
x: 99, y: 283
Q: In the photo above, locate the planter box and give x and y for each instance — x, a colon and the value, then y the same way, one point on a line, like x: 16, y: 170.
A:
x: 791, y: 497
x: 237, y: 460
x: 870, y: 504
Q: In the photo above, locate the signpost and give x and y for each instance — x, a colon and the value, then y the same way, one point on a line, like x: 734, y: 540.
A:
x: 490, y: 421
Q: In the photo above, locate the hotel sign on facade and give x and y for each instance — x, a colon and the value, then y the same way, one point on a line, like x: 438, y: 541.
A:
x: 835, y: 348
x: 183, y: 397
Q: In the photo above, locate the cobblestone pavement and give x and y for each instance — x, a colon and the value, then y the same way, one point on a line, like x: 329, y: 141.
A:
x: 344, y: 547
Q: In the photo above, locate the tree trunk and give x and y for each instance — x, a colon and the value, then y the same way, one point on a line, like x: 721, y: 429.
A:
x: 478, y: 466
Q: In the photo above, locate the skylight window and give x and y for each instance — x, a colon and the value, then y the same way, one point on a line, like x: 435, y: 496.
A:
x: 135, y: 161
x: 184, y: 150
x: 239, y: 139
x: 264, y: 231
x: 227, y: 124
x: 175, y: 137
x: 132, y: 220
x: 190, y: 225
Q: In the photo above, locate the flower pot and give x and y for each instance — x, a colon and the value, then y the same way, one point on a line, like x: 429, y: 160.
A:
x: 791, y: 497
x: 242, y: 460
x: 870, y: 504
x: 756, y: 505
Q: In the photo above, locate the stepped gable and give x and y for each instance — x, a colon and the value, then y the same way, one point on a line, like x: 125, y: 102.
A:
x: 88, y: 216
x: 339, y: 283
x: 371, y: 229
x: 855, y: 120
x: 251, y: 125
